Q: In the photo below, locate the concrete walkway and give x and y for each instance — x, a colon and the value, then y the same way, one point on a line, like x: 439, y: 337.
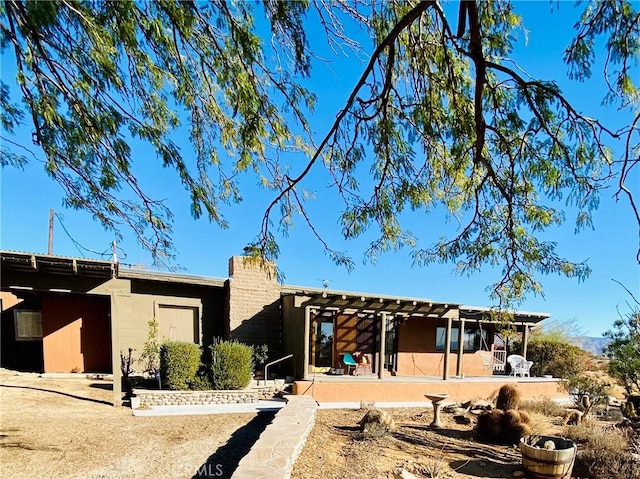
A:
x: 276, y: 450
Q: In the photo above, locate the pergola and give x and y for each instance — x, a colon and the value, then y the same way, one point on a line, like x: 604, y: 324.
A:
x: 385, y: 307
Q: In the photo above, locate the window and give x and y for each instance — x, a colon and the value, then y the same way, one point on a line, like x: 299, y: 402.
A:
x: 441, y: 337
x: 28, y: 325
x: 472, y: 340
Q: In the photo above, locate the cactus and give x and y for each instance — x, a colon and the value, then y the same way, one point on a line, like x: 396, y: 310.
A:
x: 508, y: 398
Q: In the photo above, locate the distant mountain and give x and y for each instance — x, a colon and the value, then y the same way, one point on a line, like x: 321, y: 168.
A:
x: 591, y: 345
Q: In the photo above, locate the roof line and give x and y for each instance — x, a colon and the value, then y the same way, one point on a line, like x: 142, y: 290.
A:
x: 168, y: 277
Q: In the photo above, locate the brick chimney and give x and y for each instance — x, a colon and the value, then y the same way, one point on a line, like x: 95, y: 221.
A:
x: 253, y: 303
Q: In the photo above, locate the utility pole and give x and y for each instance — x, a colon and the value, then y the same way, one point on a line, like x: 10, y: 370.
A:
x: 50, y: 249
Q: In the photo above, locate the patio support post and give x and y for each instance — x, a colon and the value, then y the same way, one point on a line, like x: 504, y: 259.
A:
x: 525, y: 339
x: 447, y: 350
x: 383, y: 340
x: 307, y: 331
x: 460, y: 348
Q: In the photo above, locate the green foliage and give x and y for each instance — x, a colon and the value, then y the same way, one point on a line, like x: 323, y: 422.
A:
x: 580, y: 385
x: 560, y: 359
x: 508, y: 397
x: 260, y: 355
x: 202, y: 380
x: 150, y: 356
x: 231, y: 364
x: 179, y: 362
x: 439, y: 120
x: 624, y: 351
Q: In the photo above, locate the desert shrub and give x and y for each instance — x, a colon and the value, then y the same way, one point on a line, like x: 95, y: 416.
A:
x: 585, y: 385
x: 545, y: 406
x: 231, y: 365
x: 508, y: 397
x: 179, y: 363
x: 560, y: 359
x: 603, y: 453
x: 376, y: 423
x: 126, y: 369
x: 540, y: 424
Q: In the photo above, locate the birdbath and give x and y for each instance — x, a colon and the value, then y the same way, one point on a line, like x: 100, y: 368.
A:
x: 436, y: 399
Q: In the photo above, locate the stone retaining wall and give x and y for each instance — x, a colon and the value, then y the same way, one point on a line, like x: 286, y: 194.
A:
x: 148, y: 398
x: 153, y: 397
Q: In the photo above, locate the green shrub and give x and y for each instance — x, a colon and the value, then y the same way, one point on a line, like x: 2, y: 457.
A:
x: 260, y: 355
x: 231, y: 365
x: 179, y: 362
x: 557, y: 358
x: 200, y: 383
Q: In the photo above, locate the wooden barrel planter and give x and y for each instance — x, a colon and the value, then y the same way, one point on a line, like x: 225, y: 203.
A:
x: 555, y: 461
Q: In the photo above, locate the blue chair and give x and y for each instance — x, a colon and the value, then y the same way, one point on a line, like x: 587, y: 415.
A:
x: 349, y: 362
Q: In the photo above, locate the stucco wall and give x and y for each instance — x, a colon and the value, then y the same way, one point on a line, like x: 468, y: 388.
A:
x: 417, y: 354
x: 76, y: 334
x: 397, y: 391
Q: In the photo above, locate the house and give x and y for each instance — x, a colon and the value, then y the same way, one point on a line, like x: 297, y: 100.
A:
x: 63, y: 314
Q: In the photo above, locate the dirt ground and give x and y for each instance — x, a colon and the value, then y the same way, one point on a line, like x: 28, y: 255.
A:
x: 67, y: 428
x: 336, y: 449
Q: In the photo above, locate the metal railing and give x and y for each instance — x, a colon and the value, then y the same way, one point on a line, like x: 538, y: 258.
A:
x: 266, y: 366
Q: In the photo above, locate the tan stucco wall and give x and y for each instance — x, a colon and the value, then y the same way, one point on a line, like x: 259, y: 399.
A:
x: 397, y: 391
x: 130, y: 313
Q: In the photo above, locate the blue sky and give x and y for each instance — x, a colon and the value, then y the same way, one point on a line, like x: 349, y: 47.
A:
x: 203, y: 249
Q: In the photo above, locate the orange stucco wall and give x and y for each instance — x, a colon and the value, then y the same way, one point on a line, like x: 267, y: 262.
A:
x: 417, y: 354
x: 9, y: 300
x: 76, y: 334
x: 398, y: 391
